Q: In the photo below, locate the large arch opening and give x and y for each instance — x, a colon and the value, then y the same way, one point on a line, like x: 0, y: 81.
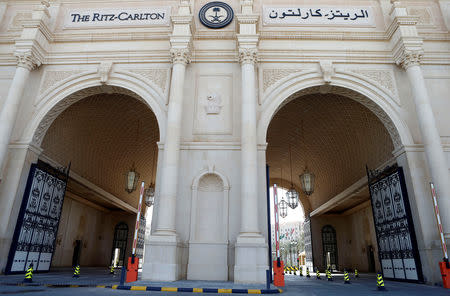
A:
x: 335, y: 133
x: 103, y: 132
x: 103, y: 136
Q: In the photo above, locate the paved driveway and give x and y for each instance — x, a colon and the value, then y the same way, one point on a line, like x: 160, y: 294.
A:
x: 295, y: 285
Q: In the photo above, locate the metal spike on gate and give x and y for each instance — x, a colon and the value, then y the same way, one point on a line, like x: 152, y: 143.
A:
x: 76, y: 272
x: 346, y: 277
x: 380, y: 282
x: 29, y: 274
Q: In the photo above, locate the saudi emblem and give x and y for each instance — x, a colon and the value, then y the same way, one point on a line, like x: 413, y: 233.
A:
x: 216, y: 15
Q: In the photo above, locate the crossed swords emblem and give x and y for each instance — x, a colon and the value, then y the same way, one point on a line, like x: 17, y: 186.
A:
x: 216, y: 18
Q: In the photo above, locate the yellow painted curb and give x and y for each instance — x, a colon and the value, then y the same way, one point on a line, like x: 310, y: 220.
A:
x: 169, y: 289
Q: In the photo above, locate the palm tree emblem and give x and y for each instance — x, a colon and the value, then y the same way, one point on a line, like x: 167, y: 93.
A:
x: 216, y: 17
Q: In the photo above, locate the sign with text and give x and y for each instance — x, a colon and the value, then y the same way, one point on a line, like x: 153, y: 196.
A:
x: 318, y: 15
x: 152, y: 16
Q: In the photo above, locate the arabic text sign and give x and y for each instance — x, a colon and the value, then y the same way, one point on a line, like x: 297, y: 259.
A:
x: 152, y: 16
x: 318, y: 15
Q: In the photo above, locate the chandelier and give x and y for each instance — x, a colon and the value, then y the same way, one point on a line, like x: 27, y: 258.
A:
x: 307, y: 181
x: 283, y: 208
x: 132, y: 178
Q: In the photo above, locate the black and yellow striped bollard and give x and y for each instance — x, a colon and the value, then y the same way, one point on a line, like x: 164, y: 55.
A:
x: 29, y: 274
x: 317, y: 274
x: 329, y: 276
x: 307, y: 272
x: 380, y: 282
x: 111, y: 270
x: 76, y: 271
x: 356, y: 273
x: 346, y: 277
x: 301, y: 271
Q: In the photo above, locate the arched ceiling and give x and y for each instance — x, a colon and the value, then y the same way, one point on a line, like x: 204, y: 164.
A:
x: 338, y: 139
x: 103, y: 136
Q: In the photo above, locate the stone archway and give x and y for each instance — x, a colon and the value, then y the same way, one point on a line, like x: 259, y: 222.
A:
x: 77, y: 87
x: 337, y: 158
x: 372, y: 97
x: 58, y: 106
x: 86, y: 190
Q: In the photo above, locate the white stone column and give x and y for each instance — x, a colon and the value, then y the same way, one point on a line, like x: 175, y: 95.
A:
x: 8, y: 113
x: 249, y: 162
x: 165, y: 223
x: 251, y: 260
x: 161, y: 252
x: 437, y: 162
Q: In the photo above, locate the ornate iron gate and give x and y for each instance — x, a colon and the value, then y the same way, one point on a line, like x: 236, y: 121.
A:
x: 38, y: 220
x: 308, y: 244
x: 141, y: 238
x: 397, y: 245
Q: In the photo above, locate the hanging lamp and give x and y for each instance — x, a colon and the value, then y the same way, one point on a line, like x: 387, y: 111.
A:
x: 292, y: 194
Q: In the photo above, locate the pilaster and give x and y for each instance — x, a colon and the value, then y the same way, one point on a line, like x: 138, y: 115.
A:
x: 29, y: 52
x: 162, y: 262
x: 251, y: 259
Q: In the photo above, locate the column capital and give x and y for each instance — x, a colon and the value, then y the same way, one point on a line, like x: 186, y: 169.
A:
x: 27, y: 59
x: 248, y: 55
x: 409, y: 58
x: 180, y: 55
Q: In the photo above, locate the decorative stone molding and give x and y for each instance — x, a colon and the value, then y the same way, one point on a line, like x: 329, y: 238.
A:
x: 270, y: 76
x: 424, y: 14
x: 248, y: 55
x: 27, y: 59
x: 19, y: 18
x: 53, y: 77
x: 409, y: 58
x: 104, y: 69
x: 180, y: 55
x: 157, y: 76
x: 213, y: 105
x: 327, y: 70
x: 382, y: 77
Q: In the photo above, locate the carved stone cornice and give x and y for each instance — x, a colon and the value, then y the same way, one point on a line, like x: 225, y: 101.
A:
x: 27, y: 59
x: 247, y: 18
x: 248, y: 56
x: 409, y: 58
x: 180, y: 55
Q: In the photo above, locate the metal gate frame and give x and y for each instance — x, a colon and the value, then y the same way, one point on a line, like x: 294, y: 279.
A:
x: 61, y: 174
x: 307, y: 225
x: 375, y: 176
